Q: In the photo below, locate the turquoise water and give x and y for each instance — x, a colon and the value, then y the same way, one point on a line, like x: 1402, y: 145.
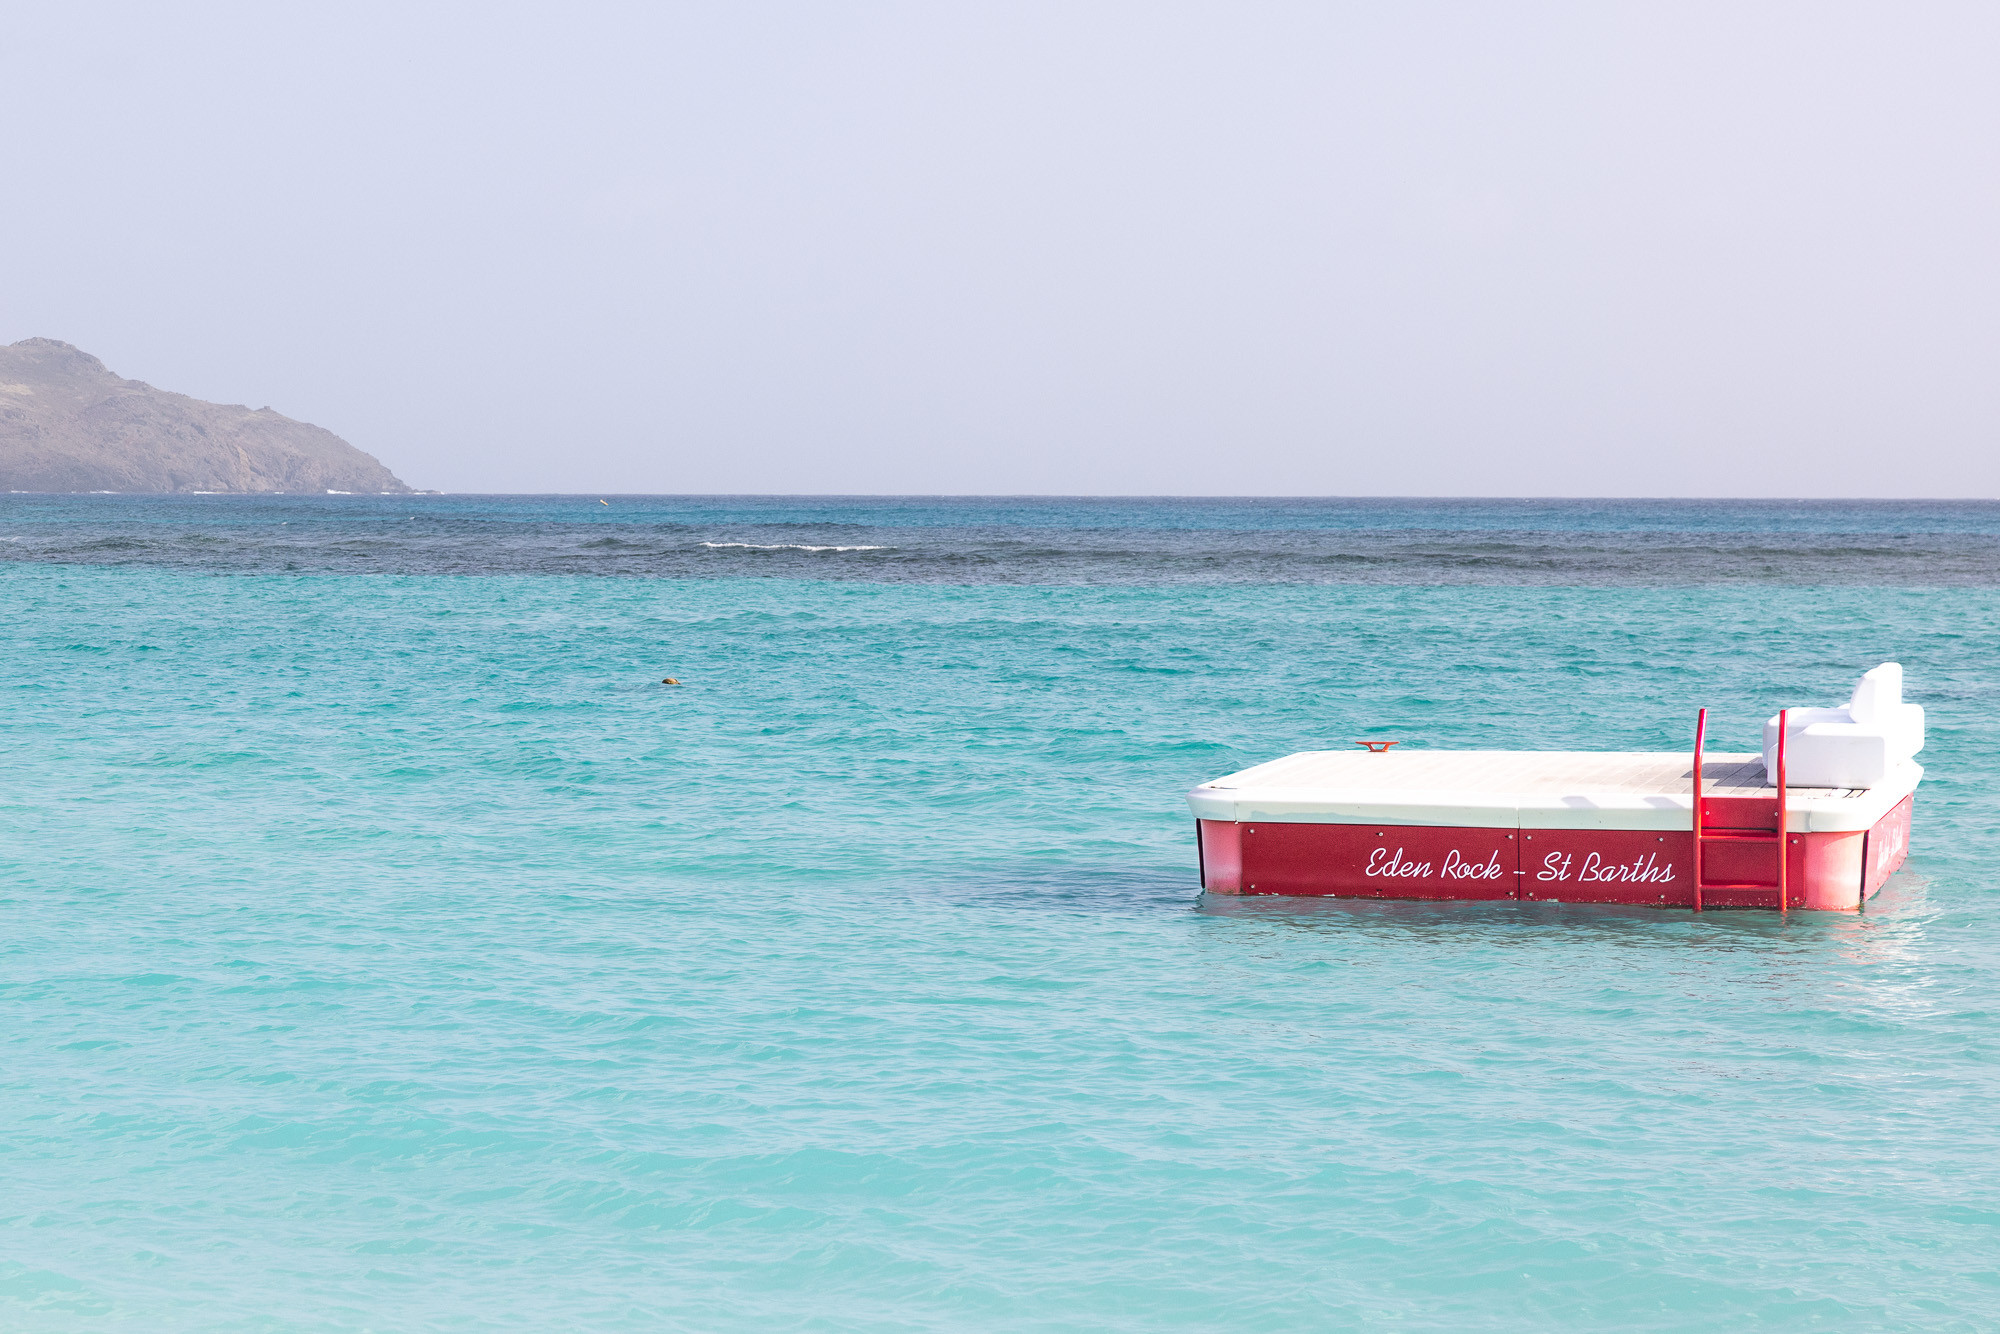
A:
x: 392, y: 951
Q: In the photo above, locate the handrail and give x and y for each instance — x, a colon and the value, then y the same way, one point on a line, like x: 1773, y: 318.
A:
x: 1700, y: 729
x: 1782, y: 859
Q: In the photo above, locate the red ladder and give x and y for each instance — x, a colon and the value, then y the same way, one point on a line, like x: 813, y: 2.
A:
x: 1704, y: 836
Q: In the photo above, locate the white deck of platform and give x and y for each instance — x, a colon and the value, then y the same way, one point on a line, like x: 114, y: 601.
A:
x: 1527, y: 788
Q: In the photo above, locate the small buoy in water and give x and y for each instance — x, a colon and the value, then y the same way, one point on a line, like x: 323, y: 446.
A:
x: 669, y: 681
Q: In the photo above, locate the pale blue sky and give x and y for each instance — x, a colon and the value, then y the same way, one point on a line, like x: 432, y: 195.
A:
x: 1130, y: 248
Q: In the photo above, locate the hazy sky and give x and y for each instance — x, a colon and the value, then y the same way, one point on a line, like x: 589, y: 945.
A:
x: 1498, y: 249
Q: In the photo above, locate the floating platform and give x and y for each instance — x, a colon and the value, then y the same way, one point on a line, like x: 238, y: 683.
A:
x: 1819, y: 819
x: 1562, y: 826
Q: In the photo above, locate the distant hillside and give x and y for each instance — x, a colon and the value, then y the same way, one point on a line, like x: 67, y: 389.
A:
x: 68, y: 424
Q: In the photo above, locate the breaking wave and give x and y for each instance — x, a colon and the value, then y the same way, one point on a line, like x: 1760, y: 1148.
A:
x: 792, y: 546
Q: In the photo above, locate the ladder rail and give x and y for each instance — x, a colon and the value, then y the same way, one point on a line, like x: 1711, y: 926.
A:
x: 1700, y: 731
x: 1782, y: 831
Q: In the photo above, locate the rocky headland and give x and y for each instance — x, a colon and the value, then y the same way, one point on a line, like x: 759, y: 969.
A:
x: 69, y: 424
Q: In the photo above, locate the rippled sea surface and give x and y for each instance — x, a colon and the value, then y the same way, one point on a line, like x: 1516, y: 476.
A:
x: 383, y: 947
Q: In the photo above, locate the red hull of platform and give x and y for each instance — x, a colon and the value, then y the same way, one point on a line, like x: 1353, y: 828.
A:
x: 1630, y: 866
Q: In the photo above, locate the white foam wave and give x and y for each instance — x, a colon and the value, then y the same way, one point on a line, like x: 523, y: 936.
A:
x: 789, y: 546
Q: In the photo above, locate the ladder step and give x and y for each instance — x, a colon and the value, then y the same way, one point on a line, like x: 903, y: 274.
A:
x: 1739, y: 835
x: 1771, y: 885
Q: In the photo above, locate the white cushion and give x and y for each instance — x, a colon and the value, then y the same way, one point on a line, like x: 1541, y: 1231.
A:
x: 1877, y: 692
x: 1852, y: 747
